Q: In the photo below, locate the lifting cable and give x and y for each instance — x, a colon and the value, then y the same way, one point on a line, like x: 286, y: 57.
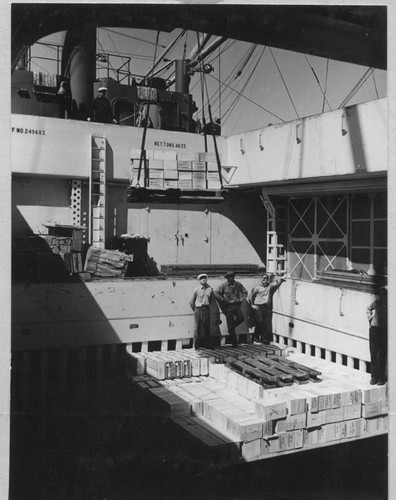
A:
x: 203, y: 80
x: 284, y: 83
x: 318, y: 82
x: 358, y: 85
x: 142, y: 147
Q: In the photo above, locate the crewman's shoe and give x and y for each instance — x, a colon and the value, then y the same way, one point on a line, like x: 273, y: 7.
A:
x: 373, y: 381
x: 380, y: 382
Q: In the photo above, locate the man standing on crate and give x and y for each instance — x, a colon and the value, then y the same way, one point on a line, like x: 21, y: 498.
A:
x: 230, y: 296
x: 200, y: 303
x: 260, y: 300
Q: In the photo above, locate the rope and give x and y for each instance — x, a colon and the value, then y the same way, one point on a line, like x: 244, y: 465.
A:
x: 358, y: 85
x: 253, y: 83
x: 246, y: 82
x: 318, y: 82
x: 284, y: 83
x: 214, y: 99
x: 375, y: 86
x: 250, y: 100
x: 325, y: 89
x: 134, y: 38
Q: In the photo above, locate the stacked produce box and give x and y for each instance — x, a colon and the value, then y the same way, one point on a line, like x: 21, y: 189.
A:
x: 187, y: 171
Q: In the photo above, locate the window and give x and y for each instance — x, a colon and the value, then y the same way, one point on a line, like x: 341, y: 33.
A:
x: 341, y: 233
x: 369, y: 233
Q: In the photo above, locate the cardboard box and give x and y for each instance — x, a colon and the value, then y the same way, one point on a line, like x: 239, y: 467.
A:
x: 185, y: 175
x: 199, y: 166
x: 171, y: 174
x: 159, y: 154
x: 184, y: 165
x: 184, y: 184
x: 157, y: 164
x: 211, y: 157
x: 155, y: 174
x: 156, y: 183
x: 199, y: 176
x: 170, y: 184
x: 212, y: 166
x: 170, y: 164
x: 187, y: 156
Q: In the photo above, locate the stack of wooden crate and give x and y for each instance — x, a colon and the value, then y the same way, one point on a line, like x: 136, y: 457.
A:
x: 238, y: 419
x: 167, y: 169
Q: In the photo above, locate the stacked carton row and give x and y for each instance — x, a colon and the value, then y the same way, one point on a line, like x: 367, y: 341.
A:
x: 183, y: 363
x: 171, y: 170
x: 237, y: 418
x: 164, y: 365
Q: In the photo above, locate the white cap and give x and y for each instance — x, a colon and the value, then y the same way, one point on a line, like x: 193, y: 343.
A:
x: 101, y: 89
x: 202, y: 276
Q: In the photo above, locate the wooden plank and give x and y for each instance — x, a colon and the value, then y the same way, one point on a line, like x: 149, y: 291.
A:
x: 298, y: 374
x: 270, y: 367
x: 252, y: 371
x: 313, y: 373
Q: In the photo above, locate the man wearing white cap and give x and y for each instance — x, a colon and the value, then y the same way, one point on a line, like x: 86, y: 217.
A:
x: 100, y: 110
x: 200, y: 303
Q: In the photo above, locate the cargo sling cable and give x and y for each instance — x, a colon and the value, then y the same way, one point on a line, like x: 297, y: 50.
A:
x: 142, y: 147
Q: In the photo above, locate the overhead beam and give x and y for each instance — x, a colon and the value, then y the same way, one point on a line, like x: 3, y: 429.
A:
x: 354, y: 34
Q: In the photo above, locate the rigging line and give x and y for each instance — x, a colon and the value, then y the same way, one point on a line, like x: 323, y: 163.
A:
x: 284, y: 83
x: 220, y: 115
x: 227, y: 46
x: 232, y: 42
x: 108, y: 62
x: 242, y: 63
x: 360, y: 86
x: 375, y: 85
x: 317, y: 80
x: 357, y: 87
x: 325, y: 89
x: 132, y: 37
x: 166, y: 51
x: 253, y: 102
x: 247, y: 59
x: 248, y: 78
x: 116, y: 50
x: 253, y: 72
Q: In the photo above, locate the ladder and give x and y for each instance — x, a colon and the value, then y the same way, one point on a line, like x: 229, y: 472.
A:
x: 97, y: 191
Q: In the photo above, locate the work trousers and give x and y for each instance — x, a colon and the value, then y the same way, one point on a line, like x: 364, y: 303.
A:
x: 377, y: 353
x: 202, y: 327
x: 234, y: 317
x: 263, y: 319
